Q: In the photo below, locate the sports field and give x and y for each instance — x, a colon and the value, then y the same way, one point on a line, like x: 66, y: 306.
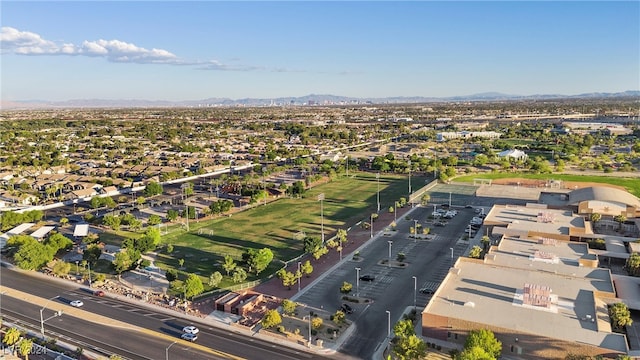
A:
x: 346, y: 202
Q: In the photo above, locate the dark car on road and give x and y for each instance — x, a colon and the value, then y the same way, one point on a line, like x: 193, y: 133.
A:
x: 367, y: 278
x: 346, y: 308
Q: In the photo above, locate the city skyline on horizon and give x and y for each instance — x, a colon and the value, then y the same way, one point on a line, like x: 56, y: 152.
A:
x: 169, y: 51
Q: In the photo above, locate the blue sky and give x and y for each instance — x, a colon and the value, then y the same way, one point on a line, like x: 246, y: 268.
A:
x: 160, y: 50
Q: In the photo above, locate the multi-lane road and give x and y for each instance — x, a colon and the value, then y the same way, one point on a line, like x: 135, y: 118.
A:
x: 148, y: 334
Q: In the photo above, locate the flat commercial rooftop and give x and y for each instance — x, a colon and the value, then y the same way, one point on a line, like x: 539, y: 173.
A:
x: 533, y: 217
x: 494, y: 295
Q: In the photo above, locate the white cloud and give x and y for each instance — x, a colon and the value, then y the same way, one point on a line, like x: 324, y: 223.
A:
x: 27, y: 43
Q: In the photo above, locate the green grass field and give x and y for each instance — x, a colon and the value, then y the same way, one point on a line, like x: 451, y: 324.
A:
x: 631, y: 184
x: 347, y: 201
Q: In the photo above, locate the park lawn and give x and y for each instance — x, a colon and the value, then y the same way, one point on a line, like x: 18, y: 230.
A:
x: 631, y: 184
x: 347, y: 201
x: 116, y: 237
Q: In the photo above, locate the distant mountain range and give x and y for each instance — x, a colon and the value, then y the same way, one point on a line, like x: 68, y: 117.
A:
x: 312, y: 99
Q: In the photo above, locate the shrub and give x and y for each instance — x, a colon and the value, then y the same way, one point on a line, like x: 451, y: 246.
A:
x: 282, y: 330
x: 346, y: 287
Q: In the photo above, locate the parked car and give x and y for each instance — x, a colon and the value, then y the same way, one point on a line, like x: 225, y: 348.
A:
x: 346, y: 308
x: 469, y: 206
x: 440, y: 223
x: 427, y: 291
x: 367, y: 277
x: 189, y: 337
x: 191, y: 330
x: 76, y: 303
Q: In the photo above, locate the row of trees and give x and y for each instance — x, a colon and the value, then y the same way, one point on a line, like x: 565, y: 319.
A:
x: 31, y: 254
x: 10, y: 219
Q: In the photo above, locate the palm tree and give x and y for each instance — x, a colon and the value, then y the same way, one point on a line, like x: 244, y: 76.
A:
x: 620, y: 219
x: 24, y: 347
x: 595, y: 217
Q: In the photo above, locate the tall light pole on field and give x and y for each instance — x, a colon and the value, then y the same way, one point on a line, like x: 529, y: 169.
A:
x: 390, y: 243
x: 264, y: 184
x: 378, y: 181
x: 321, y: 199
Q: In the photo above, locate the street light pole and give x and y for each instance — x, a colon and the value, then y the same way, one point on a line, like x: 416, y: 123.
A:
x: 309, y: 329
x: 449, y: 199
x: 415, y: 290
x: 321, y: 198
x: 299, y: 275
x: 388, y: 324
x: 395, y: 211
x: 166, y: 351
x: 371, y: 227
x: 42, y: 319
x: 357, y: 282
x: 415, y: 230
x: 89, y: 267
x: 390, y: 243
x: 378, y: 181
x: 451, y: 256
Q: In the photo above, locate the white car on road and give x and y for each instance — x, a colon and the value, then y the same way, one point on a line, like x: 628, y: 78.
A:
x: 76, y: 303
x: 191, y: 330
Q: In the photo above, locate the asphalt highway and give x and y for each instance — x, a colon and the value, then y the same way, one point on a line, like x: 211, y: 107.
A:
x: 160, y: 329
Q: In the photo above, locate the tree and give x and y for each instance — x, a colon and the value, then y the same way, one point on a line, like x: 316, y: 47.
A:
x: 633, y: 264
x: 271, y: 318
x: 620, y: 219
x: 485, y: 240
x: 112, y: 221
x: 61, y: 268
x: 96, y: 202
x: 595, y: 217
x: 64, y: 221
x: 32, y: 255
x: 181, y: 263
x: 474, y: 353
x: 214, y: 279
x: 172, y: 214
x: 316, y: 323
x: 259, y: 260
x: 229, y: 264
x: 239, y: 275
x: 153, y: 188
x: 346, y: 287
x: 404, y: 328
x: 410, y: 347
x: 288, y: 278
x: 171, y: 275
x: 154, y: 220
x: 24, y: 347
x: 317, y: 254
x: 339, y: 317
x: 475, y: 252
x: 193, y: 286
x: 152, y: 236
x: 312, y: 243
x: 288, y: 306
x: 122, y: 262
x: 484, y: 339
x: 306, y: 268
x: 12, y: 336
x: 425, y: 199
x: 620, y: 316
